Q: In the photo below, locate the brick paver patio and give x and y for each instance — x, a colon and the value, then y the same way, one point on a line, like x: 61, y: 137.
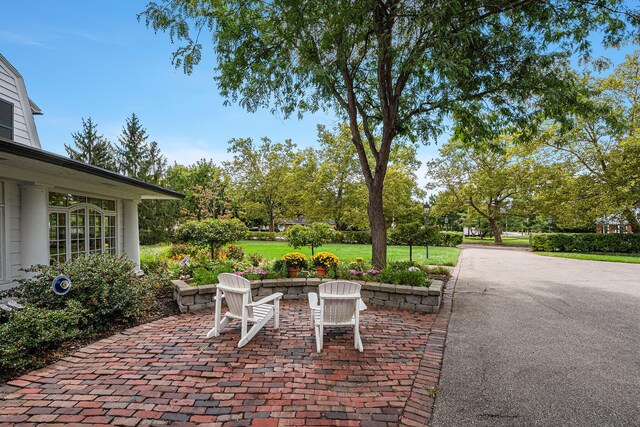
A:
x: 164, y: 372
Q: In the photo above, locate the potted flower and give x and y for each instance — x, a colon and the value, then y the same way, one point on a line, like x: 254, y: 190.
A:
x: 295, y: 261
x: 322, y: 261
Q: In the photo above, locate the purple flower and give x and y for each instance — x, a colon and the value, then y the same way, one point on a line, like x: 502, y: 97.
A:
x: 355, y: 272
x: 373, y: 272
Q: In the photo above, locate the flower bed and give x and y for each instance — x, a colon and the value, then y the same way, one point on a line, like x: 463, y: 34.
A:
x: 413, y: 298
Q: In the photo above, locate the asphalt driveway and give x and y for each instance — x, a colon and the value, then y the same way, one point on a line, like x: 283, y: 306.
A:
x: 539, y: 341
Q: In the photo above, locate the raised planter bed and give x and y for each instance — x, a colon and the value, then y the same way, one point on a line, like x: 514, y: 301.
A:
x: 413, y: 298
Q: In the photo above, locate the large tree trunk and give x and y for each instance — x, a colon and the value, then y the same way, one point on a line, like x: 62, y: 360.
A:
x: 633, y: 221
x: 495, y: 229
x: 378, y: 227
x: 272, y: 225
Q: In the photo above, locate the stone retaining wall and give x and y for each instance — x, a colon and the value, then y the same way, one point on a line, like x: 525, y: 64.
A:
x: 413, y: 298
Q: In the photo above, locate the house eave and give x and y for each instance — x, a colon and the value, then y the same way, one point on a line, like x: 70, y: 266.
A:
x: 149, y: 191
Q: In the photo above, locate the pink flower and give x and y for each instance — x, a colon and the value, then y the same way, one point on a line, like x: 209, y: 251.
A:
x: 373, y: 272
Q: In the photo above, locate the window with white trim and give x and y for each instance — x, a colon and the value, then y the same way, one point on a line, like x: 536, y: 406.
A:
x: 80, y: 225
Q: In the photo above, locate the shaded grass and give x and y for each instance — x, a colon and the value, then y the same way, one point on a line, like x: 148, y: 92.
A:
x: 506, y: 241
x: 272, y: 250
x: 627, y: 258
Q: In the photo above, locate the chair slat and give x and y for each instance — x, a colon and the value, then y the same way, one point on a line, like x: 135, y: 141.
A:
x: 339, y: 305
x: 236, y: 291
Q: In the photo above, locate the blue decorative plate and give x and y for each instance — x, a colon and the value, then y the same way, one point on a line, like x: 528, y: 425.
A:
x: 61, y: 285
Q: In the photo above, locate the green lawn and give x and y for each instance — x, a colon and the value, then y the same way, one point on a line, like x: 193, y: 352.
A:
x: 629, y: 258
x: 272, y: 250
x: 506, y: 241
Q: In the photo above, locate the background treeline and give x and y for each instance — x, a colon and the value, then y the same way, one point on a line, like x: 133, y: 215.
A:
x: 265, y: 184
x: 549, y: 176
x: 562, y: 176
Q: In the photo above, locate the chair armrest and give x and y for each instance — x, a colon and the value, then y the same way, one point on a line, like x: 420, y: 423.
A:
x: 313, y: 301
x: 265, y: 300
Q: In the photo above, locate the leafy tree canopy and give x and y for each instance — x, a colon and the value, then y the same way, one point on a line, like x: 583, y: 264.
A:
x: 206, y: 189
x: 259, y: 171
x: 214, y: 233
x: 491, y: 182
x: 315, y: 235
x: 394, y: 68
x: 601, y: 154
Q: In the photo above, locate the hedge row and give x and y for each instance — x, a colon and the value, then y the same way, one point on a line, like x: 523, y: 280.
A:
x: 448, y: 238
x: 261, y: 235
x: 585, y: 242
x: 354, y: 237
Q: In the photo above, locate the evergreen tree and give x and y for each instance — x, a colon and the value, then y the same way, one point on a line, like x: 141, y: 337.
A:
x: 91, y: 148
x: 143, y: 160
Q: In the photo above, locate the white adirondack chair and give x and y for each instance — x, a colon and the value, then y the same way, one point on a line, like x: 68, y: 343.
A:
x: 236, y: 291
x: 340, y: 305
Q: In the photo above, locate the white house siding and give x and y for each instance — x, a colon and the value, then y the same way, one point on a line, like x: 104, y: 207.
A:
x: 12, y: 90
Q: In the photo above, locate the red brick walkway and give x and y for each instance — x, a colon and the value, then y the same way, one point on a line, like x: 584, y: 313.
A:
x: 166, y: 373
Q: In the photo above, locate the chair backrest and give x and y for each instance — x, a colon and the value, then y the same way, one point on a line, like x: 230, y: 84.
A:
x: 335, y: 307
x: 234, y: 288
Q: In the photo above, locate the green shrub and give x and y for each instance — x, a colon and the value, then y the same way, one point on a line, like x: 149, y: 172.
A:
x: 29, y: 333
x: 215, y: 233
x: 235, y: 252
x: 261, y: 235
x: 400, y: 265
x: 209, y: 275
x: 415, y: 277
x: 403, y: 273
x: 255, y: 259
x: 153, y: 265
x: 202, y: 276
x: 153, y: 237
x: 104, y: 285
x: 181, y: 250
x: 585, y: 242
x: 438, y: 270
x: 449, y: 238
x: 356, y: 237
x: 279, y: 267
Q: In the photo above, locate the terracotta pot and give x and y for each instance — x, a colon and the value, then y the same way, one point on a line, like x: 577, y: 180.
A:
x: 321, y: 271
x: 293, y: 272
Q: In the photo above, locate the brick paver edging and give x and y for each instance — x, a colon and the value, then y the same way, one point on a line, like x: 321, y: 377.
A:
x: 419, y: 408
x: 413, y: 298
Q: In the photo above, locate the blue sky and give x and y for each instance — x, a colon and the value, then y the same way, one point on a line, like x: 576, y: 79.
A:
x: 94, y: 59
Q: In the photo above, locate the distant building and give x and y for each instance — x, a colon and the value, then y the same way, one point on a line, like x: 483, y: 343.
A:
x: 615, y: 224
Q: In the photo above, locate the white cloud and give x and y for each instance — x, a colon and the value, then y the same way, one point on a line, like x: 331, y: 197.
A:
x: 16, y: 38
